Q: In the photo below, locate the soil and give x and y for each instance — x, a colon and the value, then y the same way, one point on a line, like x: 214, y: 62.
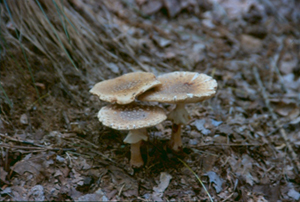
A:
x: 241, y: 145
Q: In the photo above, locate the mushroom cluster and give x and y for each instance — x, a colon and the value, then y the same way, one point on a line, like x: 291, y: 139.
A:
x: 126, y: 113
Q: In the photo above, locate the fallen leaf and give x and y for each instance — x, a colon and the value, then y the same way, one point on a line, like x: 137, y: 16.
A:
x: 294, y: 194
x: 36, y: 193
x: 164, y: 183
x: 291, y: 83
x: 3, y: 175
x: 295, y: 121
x: 216, y: 123
x: 173, y: 7
x: 250, y: 43
x: 151, y: 6
x: 199, y: 123
x: 27, y: 166
x: 236, y: 8
x: 19, y: 193
x: 161, y: 42
x: 243, y: 167
x: 214, y: 178
x: 285, y: 109
x: 287, y: 63
x: 225, y: 129
x: 99, y: 195
x: 122, y: 180
x: 7, y: 190
x: 114, y: 68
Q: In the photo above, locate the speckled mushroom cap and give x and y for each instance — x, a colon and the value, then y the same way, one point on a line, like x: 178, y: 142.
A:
x: 131, y: 117
x: 124, y: 89
x: 181, y: 87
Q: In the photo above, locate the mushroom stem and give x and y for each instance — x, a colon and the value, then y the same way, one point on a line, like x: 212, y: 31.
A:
x: 175, y: 141
x: 136, y: 159
x: 179, y: 116
x: 135, y: 138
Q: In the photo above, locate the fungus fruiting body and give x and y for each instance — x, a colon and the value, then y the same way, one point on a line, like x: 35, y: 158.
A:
x: 135, y: 118
x: 180, y: 88
x: 124, y: 89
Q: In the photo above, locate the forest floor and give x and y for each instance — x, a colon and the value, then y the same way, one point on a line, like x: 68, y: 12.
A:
x: 243, y: 144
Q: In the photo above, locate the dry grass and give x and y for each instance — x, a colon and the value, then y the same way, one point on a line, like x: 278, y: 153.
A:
x: 83, y: 38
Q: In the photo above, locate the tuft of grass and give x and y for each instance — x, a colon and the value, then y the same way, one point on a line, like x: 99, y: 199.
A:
x: 18, y: 34
x: 57, y: 36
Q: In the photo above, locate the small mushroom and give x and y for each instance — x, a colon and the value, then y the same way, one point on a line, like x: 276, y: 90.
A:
x: 135, y: 118
x: 180, y: 88
x: 124, y: 89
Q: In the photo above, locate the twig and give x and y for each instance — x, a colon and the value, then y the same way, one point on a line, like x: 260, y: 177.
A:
x: 66, y: 118
x: 263, y: 92
x: 274, y: 118
x: 36, y: 147
x: 274, y: 65
x: 228, y: 197
x: 233, y: 145
x: 19, y: 147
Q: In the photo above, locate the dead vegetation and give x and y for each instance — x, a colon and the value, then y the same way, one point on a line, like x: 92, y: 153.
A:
x: 243, y: 144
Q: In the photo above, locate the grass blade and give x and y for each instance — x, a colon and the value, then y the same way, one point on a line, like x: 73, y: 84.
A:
x: 200, y: 181
x: 6, y: 96
x: 62, y: 45
x: 18, y: 34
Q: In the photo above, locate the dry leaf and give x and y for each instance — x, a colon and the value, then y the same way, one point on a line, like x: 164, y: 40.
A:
x: 163, y: 185
x: 214, y: 178
x: 36, y: 193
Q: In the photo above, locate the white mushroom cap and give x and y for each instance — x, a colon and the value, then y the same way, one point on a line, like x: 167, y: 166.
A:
x: 181, y: 87
x: 124, y: 89
x: 131, y: 117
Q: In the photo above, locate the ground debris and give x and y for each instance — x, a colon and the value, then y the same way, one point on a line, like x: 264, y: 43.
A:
x: 244, y: 142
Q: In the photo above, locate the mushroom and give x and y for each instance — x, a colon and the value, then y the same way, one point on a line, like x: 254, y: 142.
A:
x: 180, y: 88
x: 125, y: 88
x: 135, y: 118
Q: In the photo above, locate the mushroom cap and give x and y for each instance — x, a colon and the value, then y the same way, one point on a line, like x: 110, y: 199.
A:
x: 131, y: 117
x: 181, y: 87
x: 125, y: 88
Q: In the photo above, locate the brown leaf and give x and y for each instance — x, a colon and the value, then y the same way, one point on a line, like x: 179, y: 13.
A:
x: 163, y: 185
x: 173, y: 7
x: 225, y: 129
x: 250, y: 43
x: 288, y: 63
x: 122, y: 180
x: 151, y: 7
x: 99, y: 195
x: 19, y: 193
x: 3, y: 175
x: 36, y: 193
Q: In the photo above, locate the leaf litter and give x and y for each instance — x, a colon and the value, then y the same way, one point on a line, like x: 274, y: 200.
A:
x: 243, y: 143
